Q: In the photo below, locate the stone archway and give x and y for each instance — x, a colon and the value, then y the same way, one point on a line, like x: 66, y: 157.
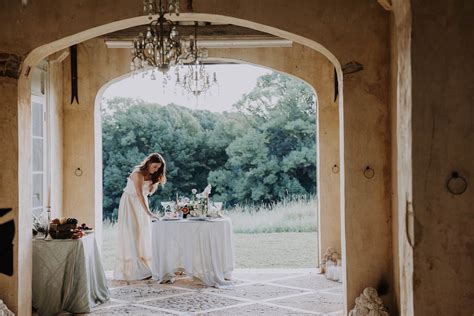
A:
x: 319, y: 78
x: 365, y: 118
x: 329, y: 230
x: 313, y: 45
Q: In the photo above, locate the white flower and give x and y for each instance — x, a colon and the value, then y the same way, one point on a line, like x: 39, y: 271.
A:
x: 194, y: 191
x: 207, y: 191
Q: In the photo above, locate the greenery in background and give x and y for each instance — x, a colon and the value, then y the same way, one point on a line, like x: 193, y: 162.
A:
x: 260, y: 155
x: 295, y: 215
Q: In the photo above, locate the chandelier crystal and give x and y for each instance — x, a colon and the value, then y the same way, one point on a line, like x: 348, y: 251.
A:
x: 161, y: 48
x: 195, y: 80
x: 161, y: 45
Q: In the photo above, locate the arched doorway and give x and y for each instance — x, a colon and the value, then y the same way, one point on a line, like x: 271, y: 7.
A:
x: 138, y: 83
x: 339, y: 80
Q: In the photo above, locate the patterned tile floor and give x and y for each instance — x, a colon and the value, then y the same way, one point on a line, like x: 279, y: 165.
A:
x: 256, y: 292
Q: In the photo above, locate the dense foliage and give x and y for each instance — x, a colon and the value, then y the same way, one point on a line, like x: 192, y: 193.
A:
x: 260, y: 154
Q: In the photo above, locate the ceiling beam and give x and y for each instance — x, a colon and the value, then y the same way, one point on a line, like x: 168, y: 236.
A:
x: 218, y: 43
x: 204, y: 31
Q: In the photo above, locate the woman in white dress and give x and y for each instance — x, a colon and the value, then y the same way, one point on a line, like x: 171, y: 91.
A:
x: 133, y: 260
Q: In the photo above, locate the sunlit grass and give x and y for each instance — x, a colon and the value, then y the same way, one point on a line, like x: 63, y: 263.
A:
x: 282, y: 236
x: 291, y: 215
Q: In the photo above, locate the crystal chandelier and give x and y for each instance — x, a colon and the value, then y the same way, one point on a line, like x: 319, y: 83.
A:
x: 159, y: 48
x: 196, y: 80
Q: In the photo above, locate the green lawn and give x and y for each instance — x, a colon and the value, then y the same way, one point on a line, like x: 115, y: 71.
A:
x: 276, y: 250
x: 266, y: 250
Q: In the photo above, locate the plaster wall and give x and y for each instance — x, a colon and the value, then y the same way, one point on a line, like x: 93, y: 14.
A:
x: 367, y: 218
x: 9, y: 182
x: 443, y: 142
x: 15, y: 181
x: 83, y: 194
x: 329, y: 171
x: 15, y: 192
x: 394, y: 165
x: 402, y: 155
x: 55, y: 103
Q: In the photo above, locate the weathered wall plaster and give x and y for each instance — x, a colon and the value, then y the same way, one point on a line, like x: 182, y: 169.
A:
x: 443, y: 141
x: 55, y: 75
x: 9, y: 182
x: 402, y: 154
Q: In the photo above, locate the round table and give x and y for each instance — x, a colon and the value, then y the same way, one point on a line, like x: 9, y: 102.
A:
x: 203, y: 249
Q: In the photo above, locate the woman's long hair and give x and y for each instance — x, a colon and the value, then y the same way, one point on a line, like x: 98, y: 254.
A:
x: 160, y: 175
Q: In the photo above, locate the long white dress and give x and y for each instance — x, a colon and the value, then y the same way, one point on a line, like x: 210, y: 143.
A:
x: 133, y: 260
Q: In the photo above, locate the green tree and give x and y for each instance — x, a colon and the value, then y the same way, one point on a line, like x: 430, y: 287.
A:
x: 277, y: 156
x: 193, y: 142
x: 262, y: 153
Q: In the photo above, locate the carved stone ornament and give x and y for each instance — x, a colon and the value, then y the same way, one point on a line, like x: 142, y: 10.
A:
x: 368, y: 304
x: 10, y: 65
x: 4, y: 311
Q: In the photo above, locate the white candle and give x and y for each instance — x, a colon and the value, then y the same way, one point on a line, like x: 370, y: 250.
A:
x: 49, y: 197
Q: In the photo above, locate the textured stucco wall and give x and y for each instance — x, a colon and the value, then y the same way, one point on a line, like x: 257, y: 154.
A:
x: 15, y: 191
x: 443, y: 141
x: 55, y: 77
x: 402, y: 155
x: 367, y: 220
x: 329, y: 171
x: 83, y: 194
x: 394, y: 193
x: 9, y: 181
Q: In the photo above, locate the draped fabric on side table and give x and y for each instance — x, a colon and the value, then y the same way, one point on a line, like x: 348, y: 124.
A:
x: 67, y: 276
x: 203, y: 249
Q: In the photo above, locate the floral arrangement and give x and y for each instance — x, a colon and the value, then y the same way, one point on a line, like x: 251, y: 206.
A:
x: 197, y: 205
x: 330, y: 257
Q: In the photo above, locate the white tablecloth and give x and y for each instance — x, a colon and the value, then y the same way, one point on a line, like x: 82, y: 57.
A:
x: 203, y: 249
x: 67, y: 276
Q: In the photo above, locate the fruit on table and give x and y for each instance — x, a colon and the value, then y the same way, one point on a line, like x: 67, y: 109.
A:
x: 77, y: 233
x: 64, y: 220
x: 84, y: 227
x: 71, y: 220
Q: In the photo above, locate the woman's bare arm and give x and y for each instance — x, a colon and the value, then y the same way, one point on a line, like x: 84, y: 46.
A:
x: 138, y: 181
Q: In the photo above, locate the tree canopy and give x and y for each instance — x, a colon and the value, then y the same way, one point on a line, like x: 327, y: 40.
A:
x: 263, y: 152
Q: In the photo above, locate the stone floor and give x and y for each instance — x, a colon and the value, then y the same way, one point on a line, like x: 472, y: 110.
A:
x: 256, y: 292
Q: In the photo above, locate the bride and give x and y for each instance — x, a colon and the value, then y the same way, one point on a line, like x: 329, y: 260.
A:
x: 133, y: 258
